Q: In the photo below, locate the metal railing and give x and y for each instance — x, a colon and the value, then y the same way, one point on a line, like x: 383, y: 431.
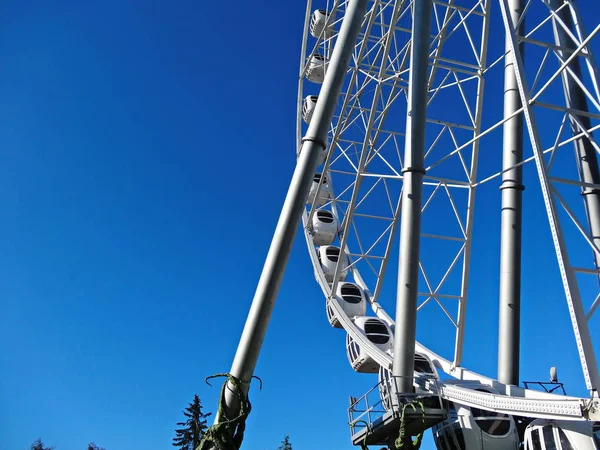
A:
x: 548, y: 386
x: 367, y: 411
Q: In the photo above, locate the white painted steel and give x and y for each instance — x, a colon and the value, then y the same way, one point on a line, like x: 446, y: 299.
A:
x: 364, y: 167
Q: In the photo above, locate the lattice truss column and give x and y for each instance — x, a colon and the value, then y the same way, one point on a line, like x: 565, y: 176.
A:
x: 558, y: 84
x: 365, y: 165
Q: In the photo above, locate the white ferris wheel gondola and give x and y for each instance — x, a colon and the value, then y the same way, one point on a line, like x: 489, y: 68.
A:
x: 320, y: 190
x: 308, y: 107
x: 324, y: 227
x: 543, y: 434
x: 378, y: 333
x: 315, y: 71
x: 330, y: 256
x: 351, y: 299
x: 321, y: 24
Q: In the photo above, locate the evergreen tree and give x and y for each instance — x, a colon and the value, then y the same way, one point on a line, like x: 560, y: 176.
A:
x: 188, y: 437
x: 93, y: 446
x: 39, y: 445
x: 285, y: 444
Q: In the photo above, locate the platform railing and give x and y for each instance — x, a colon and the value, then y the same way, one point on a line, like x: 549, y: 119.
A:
x: 367, y: 411
x: 547, y: 386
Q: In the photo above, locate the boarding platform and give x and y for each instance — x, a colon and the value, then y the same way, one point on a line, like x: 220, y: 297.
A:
x: 376, y: 417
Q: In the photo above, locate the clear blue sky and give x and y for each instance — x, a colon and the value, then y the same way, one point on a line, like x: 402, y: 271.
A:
x: 145, y: 150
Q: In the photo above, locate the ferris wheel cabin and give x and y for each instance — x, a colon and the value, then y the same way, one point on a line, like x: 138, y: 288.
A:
x: 352, y: 300
x: 562, y: 435
x: 315, y: 71
x: 473, y: 428
x: 378, y: 333
x: 324, y: 227
x: 425, y: 381
x: 319, y: 24
x: 321, y: 195
x: 329, y: 256
x: 308, y: 107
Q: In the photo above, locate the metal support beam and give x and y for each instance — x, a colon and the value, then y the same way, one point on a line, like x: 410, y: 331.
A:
x: 412, y: 192
x: 509, y: 326
x: 568, y: 275
x: 587, y: 161
x: 313, y: 143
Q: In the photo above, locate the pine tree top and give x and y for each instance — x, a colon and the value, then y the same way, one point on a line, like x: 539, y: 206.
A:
x: 285, y: 444
x: 193, y: 428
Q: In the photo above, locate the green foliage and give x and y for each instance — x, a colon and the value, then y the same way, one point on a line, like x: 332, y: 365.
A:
x: 188, y: 437
x: 39, y: 445
x: 92, y: 446
x: 285, y: 444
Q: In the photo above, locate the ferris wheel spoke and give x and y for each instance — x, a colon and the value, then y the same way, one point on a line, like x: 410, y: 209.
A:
x: 593, y: 308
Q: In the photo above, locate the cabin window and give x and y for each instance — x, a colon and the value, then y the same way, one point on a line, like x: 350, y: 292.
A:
x: 333, y: 254
x: 564, y: 440
x: 354, y: 350
x: 355, y: 299
x: 495, y: 427
x: 376, y: 332
x: 325, y: 219
x: 596, y: 433
x: 325, y: 216
x: 422, y: 365
x: 535, y: 440
x: 491, y: 422
x: 549, y: 437
x: 459, y: 436
x: 449, y: 433
x: 442, y: 440
x: 436, y: 440
x: 351, y: 294
x: 318, y: 177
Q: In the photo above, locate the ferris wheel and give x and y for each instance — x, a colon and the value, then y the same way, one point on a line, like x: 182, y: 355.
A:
x: 418, y: 75
x: 407, y: 111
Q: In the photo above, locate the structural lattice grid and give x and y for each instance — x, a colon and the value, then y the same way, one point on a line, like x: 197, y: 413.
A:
x: 554, y: 125
x: 367, y: 135
x: 367, y: 138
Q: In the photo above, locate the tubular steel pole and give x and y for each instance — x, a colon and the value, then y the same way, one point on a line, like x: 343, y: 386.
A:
x: 314, y: 142
x: 587, y: 160
x: 511, y: 218
x: 412, y: 192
